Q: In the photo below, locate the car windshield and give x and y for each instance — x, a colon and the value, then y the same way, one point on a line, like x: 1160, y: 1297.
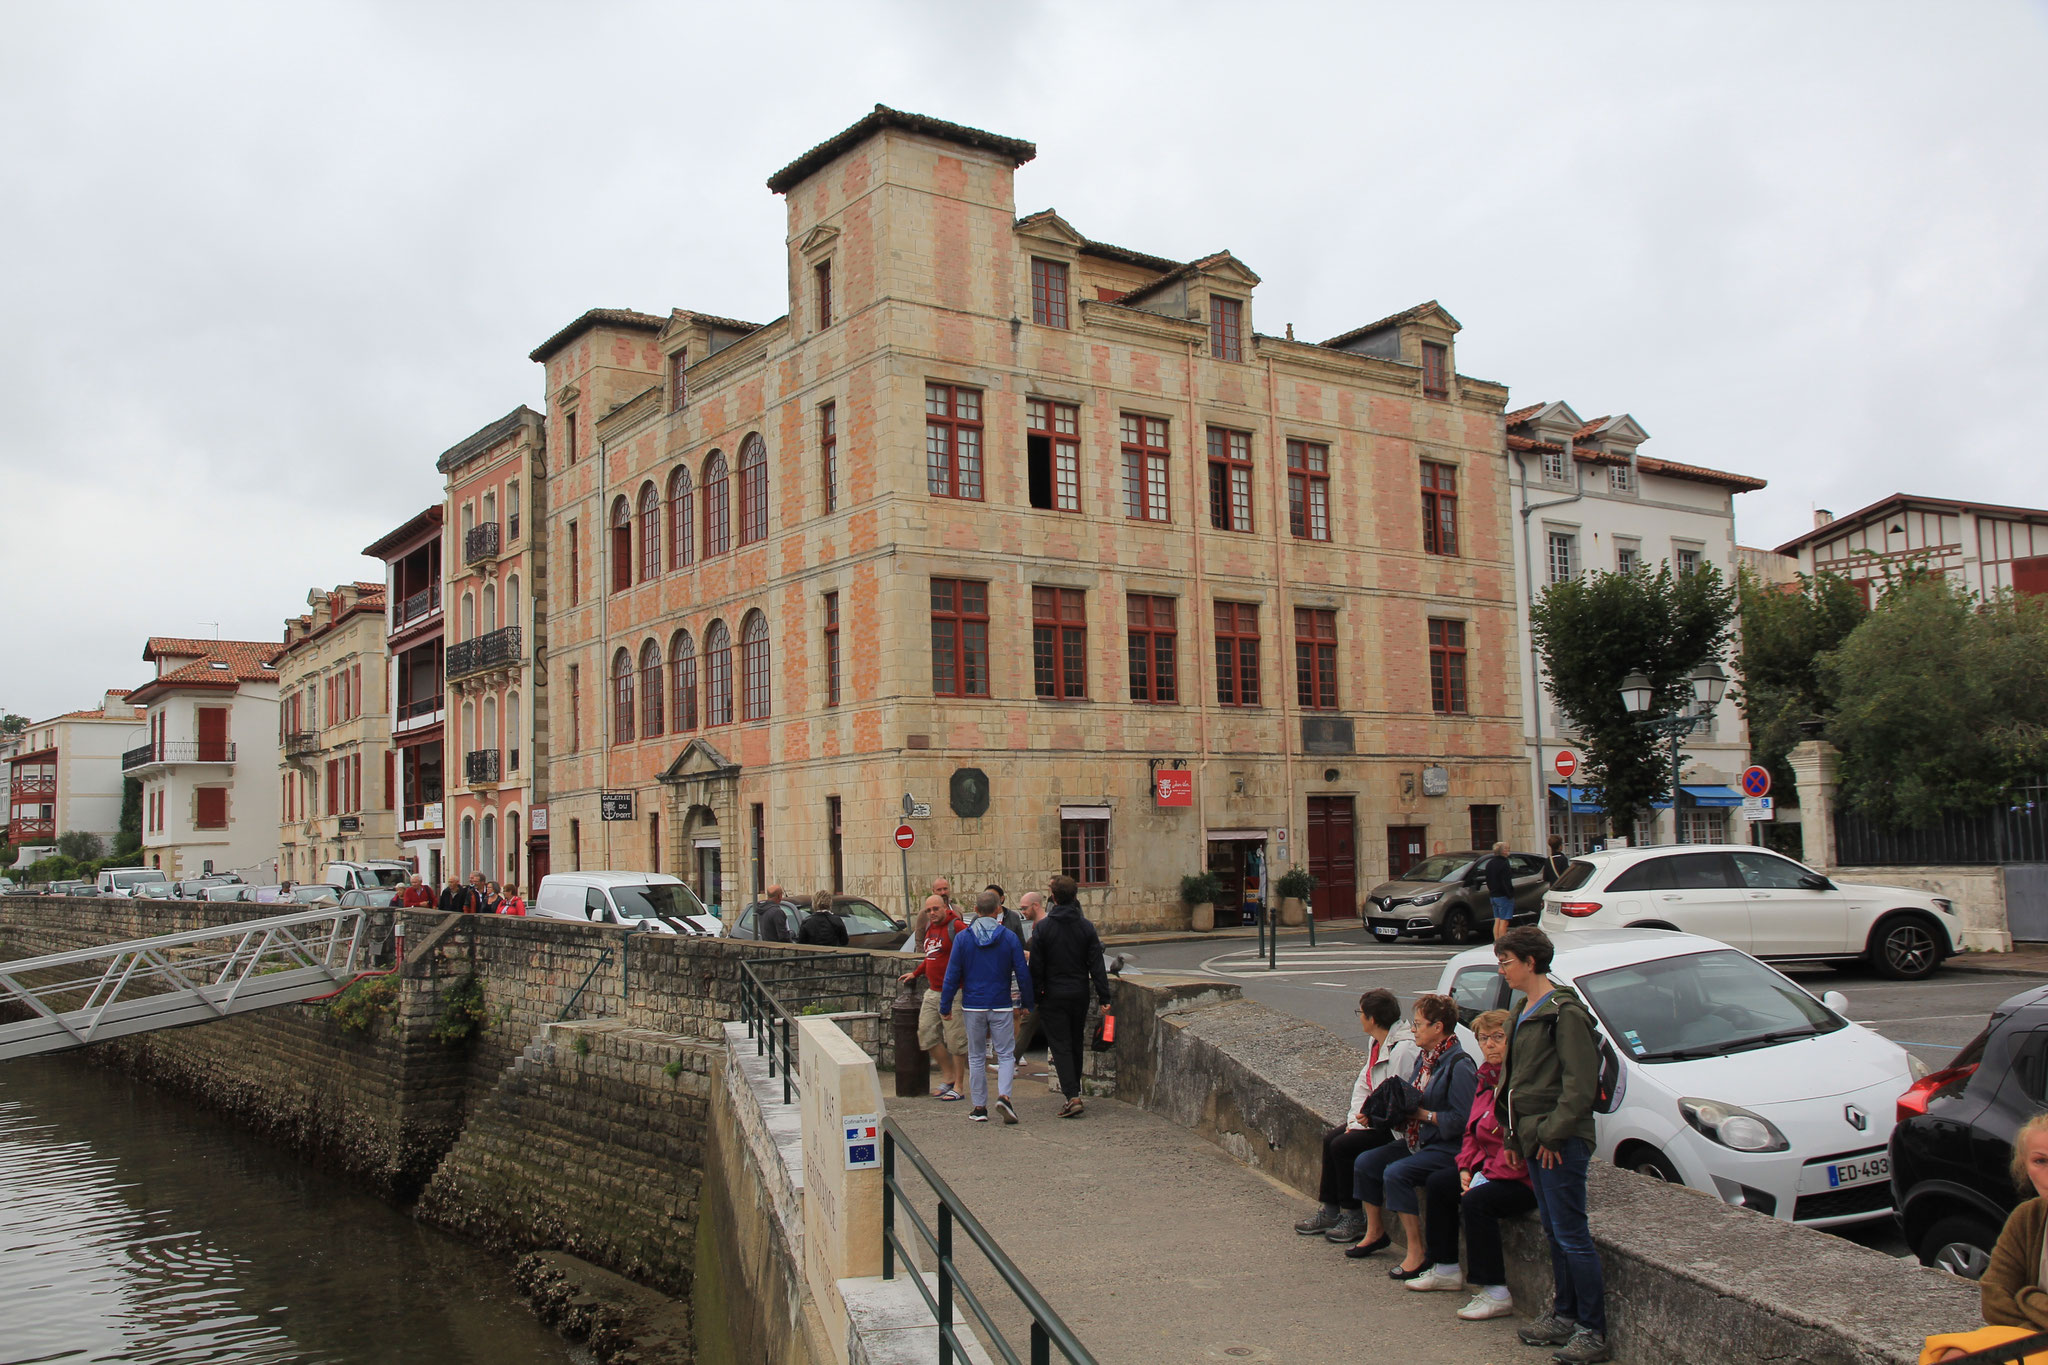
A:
x: 127, y: 879
x: 375, y: 896
x: 1444, y: 867
x: 1702, y: 1005
x: 1575, y: 876
x: 156, y: 890
x: 390, y: 876
x: 864, y: 917
x: 317, y: 895
x: 652, y: 902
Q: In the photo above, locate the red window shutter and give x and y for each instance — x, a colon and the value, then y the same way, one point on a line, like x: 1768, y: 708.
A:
x: 355, y: 783
x: 213, y: 808
x: 388, y: 759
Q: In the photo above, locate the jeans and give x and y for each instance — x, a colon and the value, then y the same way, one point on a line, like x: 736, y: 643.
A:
x: 1480, y: 1211
x: 1341, y: 1149
x: 985, y: 1027
x: 1063, y: 1016
x: 1390, y: 1175
x: 1581, y: 1290
x: 1503, y: 907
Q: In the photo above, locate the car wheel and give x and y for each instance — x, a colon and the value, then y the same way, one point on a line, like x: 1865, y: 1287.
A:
x: 1905, y: 948
x: 1960, y: 1244
x: 1654, y: 1164
x: 1456, y: 926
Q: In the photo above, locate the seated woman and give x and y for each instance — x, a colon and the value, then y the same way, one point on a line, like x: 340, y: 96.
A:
x: 1392, y: 1053
x: 1487, y: 1184
x: 1440, y: 1095
x: 2014, y: 1295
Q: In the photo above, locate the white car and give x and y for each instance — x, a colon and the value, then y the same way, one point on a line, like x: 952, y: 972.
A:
x: 652, y: 901
x: 1723, y: 1074
x: 1758, y: 901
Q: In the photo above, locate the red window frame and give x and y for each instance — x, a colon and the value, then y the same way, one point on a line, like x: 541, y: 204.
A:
x: 622, y: 544
x: 1059, y: 643
x: 1237, y: 654
x: 677, y: 393
x: 1230, y: 479
x: 682, y: 670
x: 1059, y: 425
x: 1436, y: 369
x: 651, y: 718
x: 1439, y: 508
x: 650, y: 532
x: 716, y: 490
x: 822, y: 272
x: 1148, y: 490
x: 754, y: 691
x: 1084, y: 851
x: 622, y: 698
x: 1447, y: 667
x: 753, y: 491
x: 828, y: 452
x: 1315, y: 658
x: 1226, y: 328
x: 959, y: 637
x: 1154, y: 649
x: 718, y: 675
x: 831, y: 649
x: 681, y: 543
x: 1308, y: 490
x: 1048, y: 292
x: 952, y: 442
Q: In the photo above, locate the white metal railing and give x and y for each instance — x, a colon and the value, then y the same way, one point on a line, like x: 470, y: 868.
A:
x: 89, y: 995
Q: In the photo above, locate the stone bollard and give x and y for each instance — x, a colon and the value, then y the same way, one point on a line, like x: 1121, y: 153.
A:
x: 841, y: 1096
x: 913, y: 1066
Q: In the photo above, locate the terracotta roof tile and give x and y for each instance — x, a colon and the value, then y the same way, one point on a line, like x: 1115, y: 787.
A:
x: 1521, y: 415
x: 1587, y: 430
x: 1671, y: 469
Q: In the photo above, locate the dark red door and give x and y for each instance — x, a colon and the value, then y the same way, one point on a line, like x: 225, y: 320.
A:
x: 1333, y: 857
x: 1407, y: 845
x: 213, y: 734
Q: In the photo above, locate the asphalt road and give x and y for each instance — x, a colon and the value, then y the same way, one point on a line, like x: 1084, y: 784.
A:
x: 1933, y: 1019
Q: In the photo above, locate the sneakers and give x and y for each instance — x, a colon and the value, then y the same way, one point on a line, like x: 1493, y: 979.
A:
x: 1004, y: 1107
x: 979, y: 1116
x: 1349, y: 1228
x: 1434, y: 1279
x: 1484, y: 1306
x: 1322, y: 1220
x: 1585, y: 1346
x: 1548, y: 1330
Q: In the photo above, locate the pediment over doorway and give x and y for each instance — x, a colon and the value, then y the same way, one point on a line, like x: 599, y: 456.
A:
x: 699, y: 759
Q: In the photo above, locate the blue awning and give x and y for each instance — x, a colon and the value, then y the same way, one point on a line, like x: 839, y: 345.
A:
x: 1719, y: 798
x: 1586, y: 800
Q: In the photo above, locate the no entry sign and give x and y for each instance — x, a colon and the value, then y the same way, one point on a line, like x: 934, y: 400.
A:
x: 1756, y: 781
x: 905, y: 836
x: 1567, y: 764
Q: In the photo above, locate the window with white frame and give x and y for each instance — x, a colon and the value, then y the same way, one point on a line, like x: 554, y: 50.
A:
x: 1621, y: 478
x: 1554, y: 465
x: 1686, y: 558
x: 1563, y: 555
x: 1628, y: 556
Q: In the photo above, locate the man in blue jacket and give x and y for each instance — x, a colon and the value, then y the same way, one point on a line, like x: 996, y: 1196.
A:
x: 985, y: 960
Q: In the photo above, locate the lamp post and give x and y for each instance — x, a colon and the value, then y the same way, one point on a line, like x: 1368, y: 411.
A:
x: 1709, y: 682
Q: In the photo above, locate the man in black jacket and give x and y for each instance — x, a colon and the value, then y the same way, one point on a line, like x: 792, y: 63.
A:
x: 1500, y: 888
x: 454, y: 896
x: 771, y: 921
x: 1066, y: 958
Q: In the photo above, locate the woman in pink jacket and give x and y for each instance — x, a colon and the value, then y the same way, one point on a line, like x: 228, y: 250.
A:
x: 1487, y: 1184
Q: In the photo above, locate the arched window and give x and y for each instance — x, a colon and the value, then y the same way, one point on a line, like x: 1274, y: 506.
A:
x: 718, y: 675
x: 680, y: 537
x: 490, y: 508
x: 682, y: 672
x: 650, y: 690
x: 467, y: 735
x: 490, y: 621
x: 622, y: 545
x: 754, y: 667
x: 716, y: 517
x: 487, y: 852
x: 467, y: 847
x: 512, y: 733
x: 512, y: 858
x: 468, y: 616
x: 512, y: 510
x: 512, y: 600
x: 753, y: 491
x: 622, y: 698
x: 650, y: 531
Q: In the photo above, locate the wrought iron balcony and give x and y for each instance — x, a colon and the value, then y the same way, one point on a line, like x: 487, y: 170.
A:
x: 480, y: 765
x: 302, y: 744
x: 133, y: 758
x: 421, y: 603
x: 179, y: 751
x: 500, y: 649
x: 480, y: 543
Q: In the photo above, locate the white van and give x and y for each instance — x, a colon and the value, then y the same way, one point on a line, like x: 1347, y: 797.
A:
x: 654, y: 901
x: 367, y: 876
x: 122, y: 881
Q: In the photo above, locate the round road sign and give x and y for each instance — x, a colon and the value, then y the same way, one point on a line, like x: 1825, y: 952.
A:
x: 905, y: 836
x: 1756, y: 781
x: 1567, y: 764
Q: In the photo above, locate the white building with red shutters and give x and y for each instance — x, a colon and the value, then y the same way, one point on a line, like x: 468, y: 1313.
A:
x: 65, y: 774
x: 1983, y: 546
x: 208, y: 765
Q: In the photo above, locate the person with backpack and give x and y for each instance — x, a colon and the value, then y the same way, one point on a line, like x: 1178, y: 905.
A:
x: 1500, y: 888
x: 1556, y: 862
x: 1066, y: 958
x: 987, y: 962
x: 1548, y: 1088
x: 822, y: 928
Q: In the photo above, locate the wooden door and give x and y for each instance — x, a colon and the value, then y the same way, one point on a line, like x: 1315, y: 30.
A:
x: 1333, y: 857
x: 213, y: 734
x: 1407, y: 845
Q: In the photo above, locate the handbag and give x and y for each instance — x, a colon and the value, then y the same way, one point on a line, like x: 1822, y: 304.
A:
x: 1390, y: 1103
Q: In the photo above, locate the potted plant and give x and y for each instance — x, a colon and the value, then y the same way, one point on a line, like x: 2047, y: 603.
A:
x: 1294, y: 887
x: 1199, y: 890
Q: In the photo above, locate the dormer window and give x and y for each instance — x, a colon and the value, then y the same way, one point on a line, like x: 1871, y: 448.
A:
x: 1048, y: 293
x: 1436, y: 370
x: 1554, y: 465
x: 1226, y: 328
x: 1621, y: 478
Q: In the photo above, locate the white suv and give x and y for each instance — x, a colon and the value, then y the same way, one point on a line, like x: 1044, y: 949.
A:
x: 1758, y: 901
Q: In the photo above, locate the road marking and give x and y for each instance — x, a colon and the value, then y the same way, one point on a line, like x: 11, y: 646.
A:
x: 1324, y: 962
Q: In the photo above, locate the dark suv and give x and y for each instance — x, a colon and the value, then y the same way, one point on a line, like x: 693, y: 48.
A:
x: 1952, y: 1148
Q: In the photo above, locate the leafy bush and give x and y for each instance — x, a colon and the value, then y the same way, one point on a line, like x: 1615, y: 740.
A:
x: 1295, y: 884
x: 462, y: 1012
x: 1201, y: 888
x: 81, y: 846
x: 364, y: 1002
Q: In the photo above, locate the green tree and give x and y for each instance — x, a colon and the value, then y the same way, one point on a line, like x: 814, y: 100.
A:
x: 11, y: 724
x: 1939, y: 702
x: 1785, y: 631
x: 81, y: 846
x: 128, y: 842
x: 1595, y: 630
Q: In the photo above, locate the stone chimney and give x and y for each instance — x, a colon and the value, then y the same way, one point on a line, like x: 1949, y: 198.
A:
x: 1821, y: 517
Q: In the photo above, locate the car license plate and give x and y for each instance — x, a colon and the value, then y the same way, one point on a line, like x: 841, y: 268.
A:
x: 1856, y: 1172
x: 1387, y: 930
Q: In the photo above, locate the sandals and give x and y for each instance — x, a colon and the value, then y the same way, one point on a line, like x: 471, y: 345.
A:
x: 947, y: 1092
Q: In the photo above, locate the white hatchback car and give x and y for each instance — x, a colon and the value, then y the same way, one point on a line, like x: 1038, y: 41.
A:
x: 1756, y: 900
x: 1723, y: 1074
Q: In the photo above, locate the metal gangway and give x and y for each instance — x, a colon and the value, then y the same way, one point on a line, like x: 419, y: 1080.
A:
x: 89, y: 995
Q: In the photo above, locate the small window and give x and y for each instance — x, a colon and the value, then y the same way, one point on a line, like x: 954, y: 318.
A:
x: 1621, y: 478
x: 1237, y: 654
x: 1226, y: 329
x: 1627, y: 558
x: 831, y: 649
x: 828, y: 453
x: 1053, y: 445
x: 622, y: 546
x: 569, y: 436
x: 1564, y: 556
x: 677, y: 364
x: 1146, y: 493
x: 1084, y: 851
x: 952, y: 442
x: 1153, y: 649
x: 1439, y: 508
x: 1308, y: 490
x: 575, y: 566
x: 1436, y: 369
x: 1048, y: 293
x: 1688, y: 561
x: 1486, y: 826
x: 823, y: 272
x: 1230, y: 479
x: 1059, y: 643
x: 1315, y: 659
x: 1447, y: 667
x: 959, y: 637
x: 1554, y: 466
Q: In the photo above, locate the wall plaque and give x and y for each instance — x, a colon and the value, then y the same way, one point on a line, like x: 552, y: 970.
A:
x: 1327, y: 735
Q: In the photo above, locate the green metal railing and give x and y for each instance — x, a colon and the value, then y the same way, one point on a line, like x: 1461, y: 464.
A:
x: 770, y: 987
x: 1047, y: 1330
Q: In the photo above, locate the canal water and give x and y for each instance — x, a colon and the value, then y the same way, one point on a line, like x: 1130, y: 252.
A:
x: 135, y: 1227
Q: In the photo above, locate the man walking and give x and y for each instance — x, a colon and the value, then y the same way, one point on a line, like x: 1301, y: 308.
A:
x: 945, y: 1039
x: 1066, y: 958
x: 771, y: 921
x: 985, y: 964
x: 1544, y: 1106
x: 1500, y: 888
x: 1030, y: 909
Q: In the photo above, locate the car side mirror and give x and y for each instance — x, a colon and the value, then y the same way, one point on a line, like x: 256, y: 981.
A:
x: 1837, y: 1002
x: 1813, y: 881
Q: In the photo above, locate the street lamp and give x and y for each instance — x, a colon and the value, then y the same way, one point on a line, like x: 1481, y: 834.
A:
x: 1709, y: 682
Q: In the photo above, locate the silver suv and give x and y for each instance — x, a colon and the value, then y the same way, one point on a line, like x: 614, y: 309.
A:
x: 1444, y: 897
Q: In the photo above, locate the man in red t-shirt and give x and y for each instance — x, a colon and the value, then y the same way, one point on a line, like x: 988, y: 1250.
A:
x: 944, y: 1039
x: 416, y: 895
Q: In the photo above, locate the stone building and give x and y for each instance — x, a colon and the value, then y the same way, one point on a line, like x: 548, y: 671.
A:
x: 211, y: 712
x: 335, y: 790
x: 497, y: 690
x: 413, y: 643
x: 1038, y: 531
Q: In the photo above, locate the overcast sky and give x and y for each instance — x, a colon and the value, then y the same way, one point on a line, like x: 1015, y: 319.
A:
x: 263, y: 262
